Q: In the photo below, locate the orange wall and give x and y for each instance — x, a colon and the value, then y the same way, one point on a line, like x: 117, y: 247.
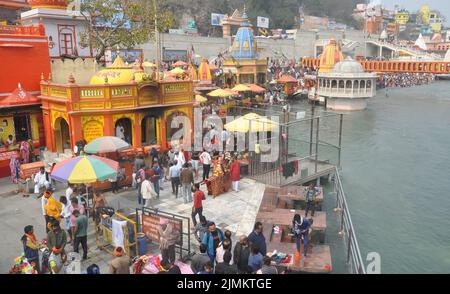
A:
x: 23, y: 58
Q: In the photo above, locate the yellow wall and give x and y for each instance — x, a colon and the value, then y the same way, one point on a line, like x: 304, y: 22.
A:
x: 34, y: 127
x: 7, y: 130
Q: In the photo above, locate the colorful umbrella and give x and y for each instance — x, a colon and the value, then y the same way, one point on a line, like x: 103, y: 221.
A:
x: 241, y: 88
x: 85, y: 169
x: 220, y: 93
x: 251, y: 122
x: 200, y: 99
x: 256, y: 89
x: 177, y: 71
x: 105, y: 145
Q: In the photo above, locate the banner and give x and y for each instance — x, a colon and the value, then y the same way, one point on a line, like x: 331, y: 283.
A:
x: 263, y: 22
x: 216, y: 19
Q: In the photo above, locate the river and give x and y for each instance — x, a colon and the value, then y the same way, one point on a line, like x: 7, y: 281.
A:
x: 395, y: 169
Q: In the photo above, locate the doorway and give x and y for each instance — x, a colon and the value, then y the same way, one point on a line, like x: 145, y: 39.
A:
x: 62, y: 135
x: 149, y: 131
x: 22, y: 127
x: 124, y: 130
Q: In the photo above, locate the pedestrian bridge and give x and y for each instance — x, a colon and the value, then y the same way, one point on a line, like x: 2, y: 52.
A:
x: 394, y: 66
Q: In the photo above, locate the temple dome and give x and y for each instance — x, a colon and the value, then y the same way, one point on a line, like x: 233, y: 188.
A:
x: 331, y: 55
x: 244, y: 45
x: 348, y: 66
x: 52, y: 4
x: 118, y: 73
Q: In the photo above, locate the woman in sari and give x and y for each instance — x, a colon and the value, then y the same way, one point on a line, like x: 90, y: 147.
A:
x: 31, y: 247
x: 14, y: 165
x: 25, y: 151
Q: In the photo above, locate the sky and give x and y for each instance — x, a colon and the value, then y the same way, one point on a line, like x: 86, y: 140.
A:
x: 413, y: 5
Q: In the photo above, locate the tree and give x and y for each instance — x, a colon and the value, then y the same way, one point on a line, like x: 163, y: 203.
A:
x: 121, y: 23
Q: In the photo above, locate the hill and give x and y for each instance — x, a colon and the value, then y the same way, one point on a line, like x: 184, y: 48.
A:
x: 282, y: 13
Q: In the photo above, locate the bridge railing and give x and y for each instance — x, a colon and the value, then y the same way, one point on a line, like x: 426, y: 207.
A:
x: 354, y: 258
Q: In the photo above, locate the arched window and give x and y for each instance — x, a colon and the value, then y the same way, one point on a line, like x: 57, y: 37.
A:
x: 348, y: 84
x: 328, y: 84
x: 341, y: 84
x: 362, y: 84
x: 67, y: 42
x: 356, y: 85
x: 369, y: 84
x: 333, y: 84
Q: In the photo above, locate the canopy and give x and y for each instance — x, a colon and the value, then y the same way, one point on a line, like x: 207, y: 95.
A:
x: 241, y: 88
x: 105, y: 145
x: 177, y: 71
x: 85, y: 169
x: 179, y: 63
x: 200, y: 99
x: 220, y: 93
x: 148, y: 64
x: 251, y: 122
x: 287, y: 79
x: 256, y: 89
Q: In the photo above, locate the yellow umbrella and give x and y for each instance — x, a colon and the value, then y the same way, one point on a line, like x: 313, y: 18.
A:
x: 241, y: 88
x: 251, y: 122
x: 148, y: 64
x: 177, y: 71
x: 220, y: 93
x: 200, y: 99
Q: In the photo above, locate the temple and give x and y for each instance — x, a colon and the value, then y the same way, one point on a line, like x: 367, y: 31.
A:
x: 331, y: 55
x: 243, y: 66
x: 121, y: 100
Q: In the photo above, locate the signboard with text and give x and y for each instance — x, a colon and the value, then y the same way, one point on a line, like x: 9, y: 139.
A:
x: 216, y: 19
x: 263, y: 22
x: 151, y: 223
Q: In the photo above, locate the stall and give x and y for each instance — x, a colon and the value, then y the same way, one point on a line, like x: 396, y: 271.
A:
x: 115, y: 229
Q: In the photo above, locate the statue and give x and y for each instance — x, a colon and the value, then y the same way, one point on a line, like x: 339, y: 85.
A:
x: 192, y: 24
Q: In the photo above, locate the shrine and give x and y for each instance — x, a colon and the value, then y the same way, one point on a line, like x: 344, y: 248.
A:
x: 121, y: 100
x: 243, y: 66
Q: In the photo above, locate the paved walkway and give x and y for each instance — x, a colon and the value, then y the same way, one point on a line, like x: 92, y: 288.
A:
x: 231, y: 211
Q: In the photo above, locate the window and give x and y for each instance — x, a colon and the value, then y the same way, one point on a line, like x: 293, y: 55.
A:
x: 67, y: 40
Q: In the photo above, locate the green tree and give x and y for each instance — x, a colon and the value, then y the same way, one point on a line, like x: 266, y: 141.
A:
x: 121, y: 23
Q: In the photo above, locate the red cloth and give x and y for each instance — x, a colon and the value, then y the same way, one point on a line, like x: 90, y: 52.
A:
x: 186, y: 156
x: 199, y: 196
x: 235, y: 171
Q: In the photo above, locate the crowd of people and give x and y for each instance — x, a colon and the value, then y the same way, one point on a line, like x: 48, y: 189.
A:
x: 403, y: 80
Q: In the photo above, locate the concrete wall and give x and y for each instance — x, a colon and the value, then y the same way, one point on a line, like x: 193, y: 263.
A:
x: 302, y: 46
x: 82, y: 70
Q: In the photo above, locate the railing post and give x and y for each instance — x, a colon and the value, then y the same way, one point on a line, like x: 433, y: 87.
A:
x: 317, y: 144
x: 311, y: 129
x: 350, y: 234
x: 340, y: 139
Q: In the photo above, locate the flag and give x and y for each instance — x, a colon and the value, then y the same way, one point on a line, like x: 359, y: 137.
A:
x: 192, y: 53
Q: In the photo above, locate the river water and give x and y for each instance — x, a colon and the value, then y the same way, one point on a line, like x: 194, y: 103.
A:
x: 395, y: 169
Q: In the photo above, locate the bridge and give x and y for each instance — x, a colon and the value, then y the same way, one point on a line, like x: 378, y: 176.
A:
x: 394, y: 66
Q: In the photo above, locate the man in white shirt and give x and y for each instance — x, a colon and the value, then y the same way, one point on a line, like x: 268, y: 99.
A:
x: 120, y: 133
x: 69, y: 192
x: 225, y: 139
x: 41, y: 180
x: 179, y: 157
x: 205, y: 157
x: 148, y: 192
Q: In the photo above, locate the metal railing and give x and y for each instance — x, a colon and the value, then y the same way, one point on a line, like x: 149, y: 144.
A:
x: 354, y: 259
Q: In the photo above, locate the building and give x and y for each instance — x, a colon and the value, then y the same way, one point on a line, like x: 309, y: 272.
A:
x: 331, y: 55
x: 118, y: 97
x: 401, y: 17
x: 63, y: 26
x: 347, y: 87
x: 25, y: 58
x: 435, y: 22
x: 243, y: 66
x: 10, y: 10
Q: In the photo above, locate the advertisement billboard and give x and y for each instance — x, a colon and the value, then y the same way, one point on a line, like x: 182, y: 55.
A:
x: 263, y: 22
x: 216, y: 19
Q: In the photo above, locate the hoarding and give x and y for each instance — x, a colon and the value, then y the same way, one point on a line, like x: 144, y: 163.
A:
x: 263, y: 22
x: 216, y: 19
